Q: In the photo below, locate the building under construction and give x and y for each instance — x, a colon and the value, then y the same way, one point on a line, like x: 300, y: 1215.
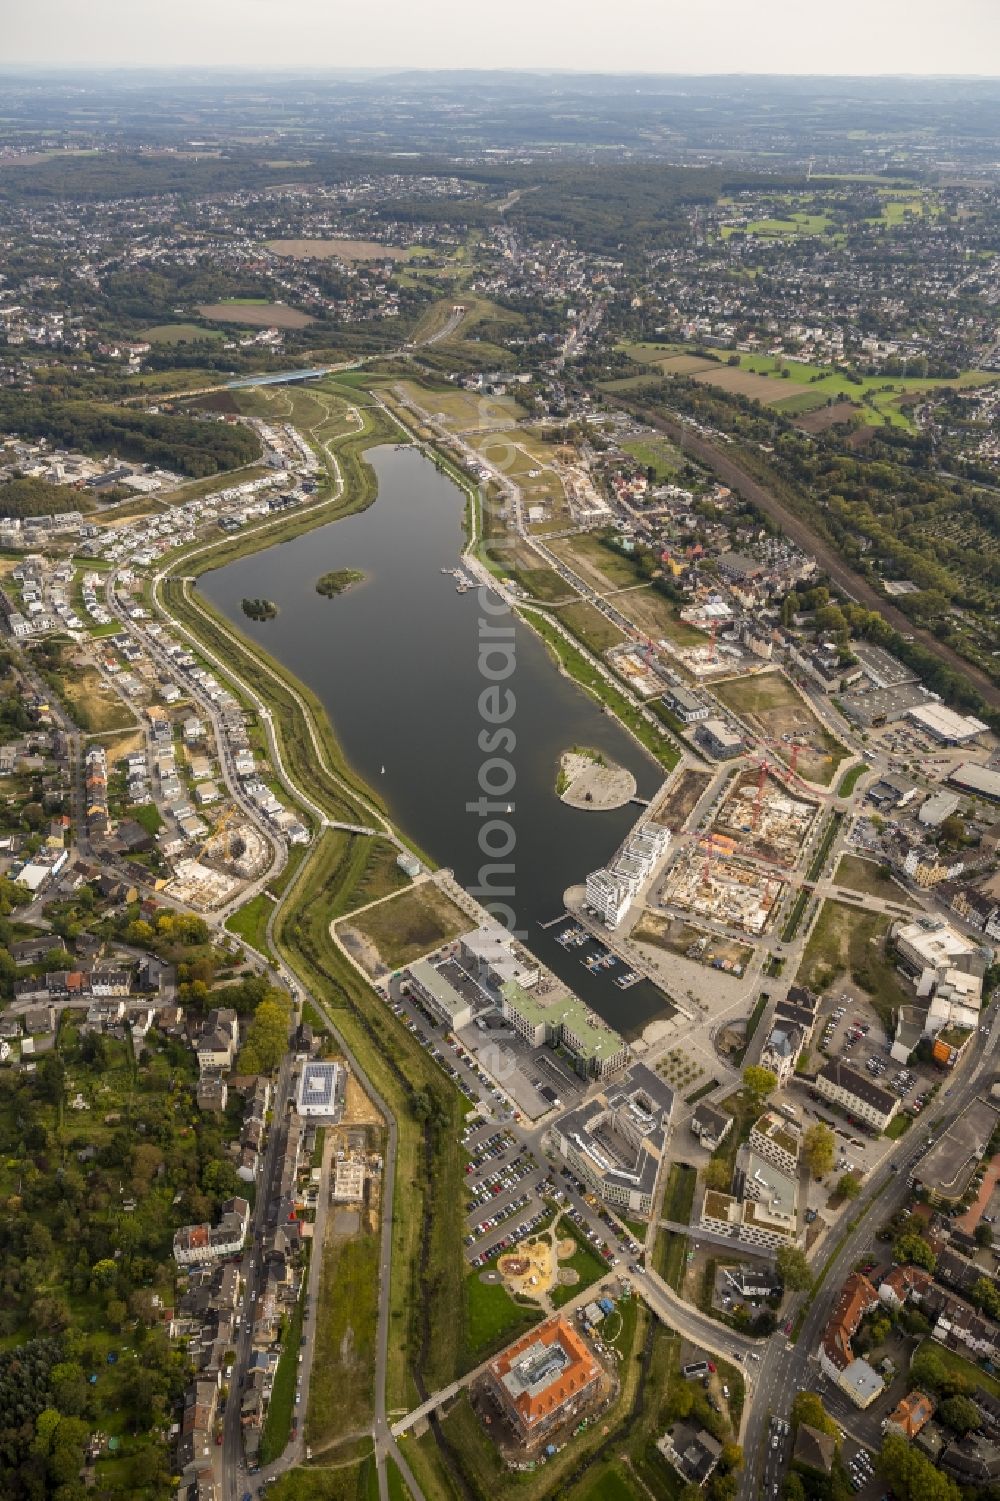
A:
x: 710, y: 880
x: 765, y: 818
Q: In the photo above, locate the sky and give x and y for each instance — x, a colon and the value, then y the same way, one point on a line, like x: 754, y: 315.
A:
x: 653, y: 36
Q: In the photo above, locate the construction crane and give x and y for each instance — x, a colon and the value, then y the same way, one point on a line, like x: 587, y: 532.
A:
x: 223, y: 824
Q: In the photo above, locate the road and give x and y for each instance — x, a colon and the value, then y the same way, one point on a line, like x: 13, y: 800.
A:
x: 787, y: 1369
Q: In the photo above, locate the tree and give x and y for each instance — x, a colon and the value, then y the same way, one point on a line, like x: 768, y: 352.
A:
x: 759, y: 1082
x: 983, y: 1234
x: 986, y: 1296
x: 911, y: 1476
x: 267, y: 1035
x: 960, y: 1414
x: 848, y: 1185
x: 819, y: 1145
x: 952, y: 831
x: 807, y: 1407
x: 718, y: 1175
x: 792, y: 1488
x: 913, y: 1248
x: 793, y: 1268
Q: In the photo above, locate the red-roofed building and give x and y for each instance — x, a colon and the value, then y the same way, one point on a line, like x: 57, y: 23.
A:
x: 913, y: 1412
x: 903, y: 1283
x: 544, y: 1378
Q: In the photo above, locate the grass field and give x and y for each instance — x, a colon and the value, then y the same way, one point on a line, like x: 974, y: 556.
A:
x: 341, y: 1393
x: 959, y: 1366
x: 848, y: 941
x: 770, y: 703
x: 492, y: 1318
x: 656, y: 616
x: 746, y: 382
x: 93, y: 704
x: 585, y: 1261
x: 864, y: 875
x: 278, y: 1423
x: 589, y: 625
x: 408, y: 925
x: 657, y: 454
x: 250, y: 921
x: 464, y: 411
x: 598, y: 565
x: 255, y: 314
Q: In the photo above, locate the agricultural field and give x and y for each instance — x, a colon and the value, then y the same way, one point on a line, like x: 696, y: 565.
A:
x: 398, y: 930
x: 342, y: 250
x: 341, y: 1394
x: 793, y: 224
x: 181, y: 333
x: 772, y: 706
x: 807, y: 387
x: 255, y: 314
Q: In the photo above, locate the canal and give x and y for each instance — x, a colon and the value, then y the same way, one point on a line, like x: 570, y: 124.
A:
x: 396, y: 662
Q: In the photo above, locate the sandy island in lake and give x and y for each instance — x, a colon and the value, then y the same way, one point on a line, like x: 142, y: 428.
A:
x: 587, y: 780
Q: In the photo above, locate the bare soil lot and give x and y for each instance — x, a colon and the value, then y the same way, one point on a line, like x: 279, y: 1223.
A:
x: 771, y: 705
x: 680, y: 798
x: 255, y: 314
x: 344, y: 250
x: 819, y: 421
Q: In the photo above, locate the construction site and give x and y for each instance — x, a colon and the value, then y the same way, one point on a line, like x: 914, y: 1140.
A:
x: 709, y: 880
x: 762, y: 817
x: 235, y: 853
x: 637, y: 666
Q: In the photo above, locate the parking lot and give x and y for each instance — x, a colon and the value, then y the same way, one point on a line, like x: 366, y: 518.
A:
x: 851, y: 1031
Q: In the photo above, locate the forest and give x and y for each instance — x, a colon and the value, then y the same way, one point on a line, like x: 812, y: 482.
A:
x: 165, y: 440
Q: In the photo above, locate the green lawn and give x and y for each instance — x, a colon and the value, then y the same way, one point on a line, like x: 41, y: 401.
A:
x: 278, y: 1423
x: 865, y: 876
x: 250, y: 921
x: 584, y: 1261
x: 670, y: 1257
x: 848, y: 940
x: 492, y: 1318
x: 678, y: 1198
x: 849, y: 780
x: 956, y: 1363
x: 341, y: 1392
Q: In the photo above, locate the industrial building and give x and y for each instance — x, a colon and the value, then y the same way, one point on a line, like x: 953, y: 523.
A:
x: 616, y: 1141
x: 977, y: 781
x: 944, y: 725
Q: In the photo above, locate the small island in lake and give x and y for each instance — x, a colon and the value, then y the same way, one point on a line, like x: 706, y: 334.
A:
x: 586, y: 779
x: 332, y: 584
x: 259, y: 609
